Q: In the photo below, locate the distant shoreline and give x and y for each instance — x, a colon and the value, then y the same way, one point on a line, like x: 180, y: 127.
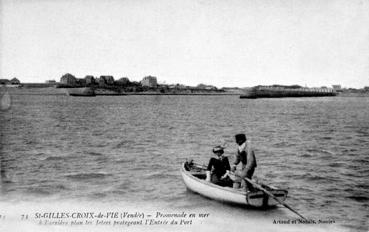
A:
x: 49, y: 90
x: 195, y: 94
x: 99, y: 92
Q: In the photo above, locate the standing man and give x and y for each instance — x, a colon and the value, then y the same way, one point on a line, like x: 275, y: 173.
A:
x: 246, y: 156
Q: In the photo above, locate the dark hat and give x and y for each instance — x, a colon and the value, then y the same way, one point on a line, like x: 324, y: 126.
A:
x: 240, y: 137
x: 217, y: 149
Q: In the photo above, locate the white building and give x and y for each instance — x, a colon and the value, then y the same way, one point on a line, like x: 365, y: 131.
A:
x: 336, y: 87
x: 149, y: 81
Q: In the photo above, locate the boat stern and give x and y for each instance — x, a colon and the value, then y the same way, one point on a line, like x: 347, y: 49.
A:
x: 260, y: 199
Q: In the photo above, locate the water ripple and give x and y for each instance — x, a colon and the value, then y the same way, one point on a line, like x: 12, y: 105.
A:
x: 131, y: 148
x: 85, y: 176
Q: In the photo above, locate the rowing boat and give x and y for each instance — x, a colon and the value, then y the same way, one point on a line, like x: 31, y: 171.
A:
x: 194, y: 178
x: 81, y: 92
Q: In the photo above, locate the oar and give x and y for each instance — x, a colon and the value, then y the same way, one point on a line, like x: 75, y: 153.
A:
x: 274, y: 197
x: 202, y: 166
x: 262, y: 189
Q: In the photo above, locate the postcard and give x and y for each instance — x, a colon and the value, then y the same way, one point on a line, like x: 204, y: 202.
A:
x: 142, y: 115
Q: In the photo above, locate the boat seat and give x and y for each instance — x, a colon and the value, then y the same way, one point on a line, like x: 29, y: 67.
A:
x: 200, y: 175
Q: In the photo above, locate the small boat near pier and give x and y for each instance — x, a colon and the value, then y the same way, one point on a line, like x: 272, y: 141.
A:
x: 81, y: 92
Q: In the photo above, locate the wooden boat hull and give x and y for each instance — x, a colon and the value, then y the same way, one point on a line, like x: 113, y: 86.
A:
x: 81, y: 92
x: 194, y: 180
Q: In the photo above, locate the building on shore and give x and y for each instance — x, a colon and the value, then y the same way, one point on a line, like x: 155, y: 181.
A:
x: 337, y: 87
x: 149, y: 81
x: 177, y: 86
x: 90, y: 80
x: 106, y: 80
x: 14, y: 81
x: 10, y: 83
x: 50, y: 82
x: 68, y: 79
x: 123, y: 81
x: 81, y: 81
x: 4, y: 82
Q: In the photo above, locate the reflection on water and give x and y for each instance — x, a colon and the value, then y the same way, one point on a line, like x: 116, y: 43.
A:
x: 130, y: 148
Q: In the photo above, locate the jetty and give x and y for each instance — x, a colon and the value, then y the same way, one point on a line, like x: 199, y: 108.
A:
x: 278, y: 91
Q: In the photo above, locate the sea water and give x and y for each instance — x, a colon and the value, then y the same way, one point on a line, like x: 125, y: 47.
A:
x: 124, y: 153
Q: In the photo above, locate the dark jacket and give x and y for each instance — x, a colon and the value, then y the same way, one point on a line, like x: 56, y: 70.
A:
x: 219, y: 166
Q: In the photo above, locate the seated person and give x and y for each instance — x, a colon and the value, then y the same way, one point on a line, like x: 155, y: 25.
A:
x: 218, y: 168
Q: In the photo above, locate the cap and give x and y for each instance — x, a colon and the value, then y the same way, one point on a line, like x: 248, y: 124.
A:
x: 218, y: 149
x: 240, y: 137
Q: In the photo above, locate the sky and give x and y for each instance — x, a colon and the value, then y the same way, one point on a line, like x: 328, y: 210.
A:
x: 226, y: 43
